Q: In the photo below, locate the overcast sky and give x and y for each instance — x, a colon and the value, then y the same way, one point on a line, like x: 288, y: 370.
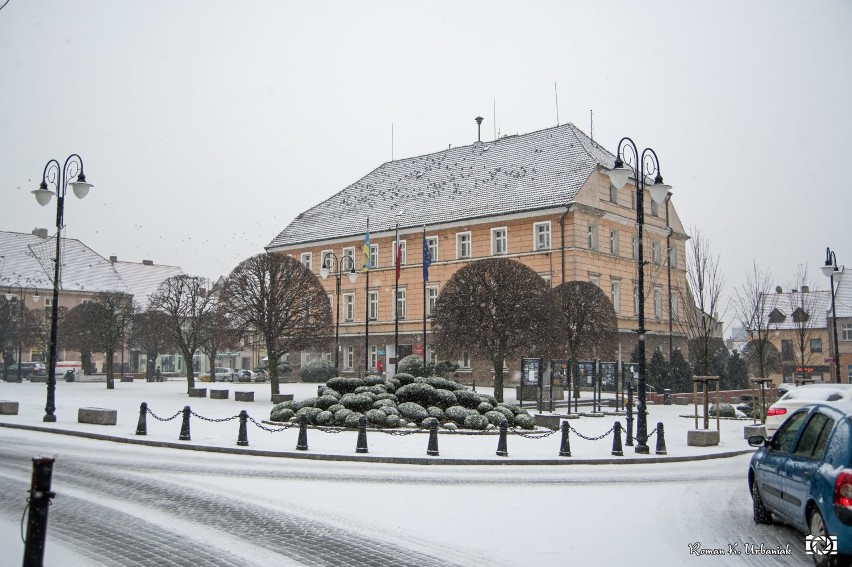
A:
x: 207, y: 126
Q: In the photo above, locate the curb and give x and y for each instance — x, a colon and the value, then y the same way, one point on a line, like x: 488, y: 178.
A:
x: 374, y: 459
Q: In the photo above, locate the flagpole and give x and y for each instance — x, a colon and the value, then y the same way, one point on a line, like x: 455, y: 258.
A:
x: 396, y: 306
x: 425, y: 278
x: 367, y: 254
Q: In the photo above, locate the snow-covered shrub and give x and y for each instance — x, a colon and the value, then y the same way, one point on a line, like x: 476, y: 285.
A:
x: 306, y: 403
x: 468, y: 399
x: 484, y: 407
x: 326, y: 391
x: 383, y: 402
x: 373, y: 380
x: 389, y: 410
x: 312, y: 413
x: 495, y: 417
x: 444, y: 399
x: 392, y: 384
x: 456, y: 414
x: 412, y: 364
x: 341, y: 415
x: 413, y: 411
x: 427, y: 422
x: 356, y: 402
x: 324, y: 402
x: 325, y: 418
x: 725, y: 410
x: 490, y: 399
x: 352, y: 420
x: 507, y: 413
x: 475, y: 421
x: 392, y: 421
x: 441, y: 383
x: 451, y: 426
x: 345, y: 385
x: 318, y: 370
x: 515, y: 409
x: 403, y: 378
x: 283, y: 405
x: 334, y: 408
x: 436, y: 412
x: 387, y: 397
x: 418, y: 393
x: 379, y: 389
x: 524, y: 421
x: 281, y: 414
x: 376, y: 417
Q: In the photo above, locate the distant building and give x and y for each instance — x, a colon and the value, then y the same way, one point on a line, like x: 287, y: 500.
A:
x: 843, y: 306
x: 543, y: 199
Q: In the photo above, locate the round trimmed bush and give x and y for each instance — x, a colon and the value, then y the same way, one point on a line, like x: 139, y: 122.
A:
x: 345, y: 385
x: 412, y: 364
x: 475, y: 421
x: 515, y: 409
x: 484, y: 407
x: 524, y: 421
x: 507, y: 413
x: 387, y: 397
x: 450, y: 426
x: 319, y: 370
x: 312, y: 413
x: 725, y: 410
x: 403, y: 378
x: 356, y: 402
x: 392, y: 384
x: 281, y: 414
x: 352, y: 420
x: 341, y: 415
x: 490, y: 399
x: 392, y: 421
x: 334, y: 408
x: 403, y: 422
x: 418, y: 393
x: 413, y: 411
x: 444, y: 399
x: 324, y: 402
x: 283, y: 405
x: 389, y: 410
x: 435, y: 412
x: 441, y: 383
x: 325, y: 418
x: 468, y: 399
x: 376, y: 417
x: 384, y: 402
x: 427, y: 423
x: 306, y: 403
x: 379, y: 389
x: 362, y: 389
x: 456, y: 414
x: 495, y: 417
x: 373, y: 380
x: 331, y: 392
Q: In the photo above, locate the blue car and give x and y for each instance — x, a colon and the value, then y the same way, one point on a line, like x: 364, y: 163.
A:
x: 802, y: 476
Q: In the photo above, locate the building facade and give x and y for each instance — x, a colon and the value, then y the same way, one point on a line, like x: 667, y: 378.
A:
x: 543, y: 199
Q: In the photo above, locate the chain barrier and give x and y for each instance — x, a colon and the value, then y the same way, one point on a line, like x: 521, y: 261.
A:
x: 652, y: 433
x: 212, y: 420
x: 155, y: 416
x: 285, y: 427
x: 537, y: 435
x: 598, y: 438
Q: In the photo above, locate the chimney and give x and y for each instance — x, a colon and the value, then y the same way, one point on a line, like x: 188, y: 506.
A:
x: 806, y: 289
x: 148, y: 262
x: 113, y: 259
x: 40, y: 232
x: 478, y: 128
x: 778, y: 289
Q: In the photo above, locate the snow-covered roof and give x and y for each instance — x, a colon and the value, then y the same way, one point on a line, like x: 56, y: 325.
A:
x: 28, y: 260
x: 143, y: 279
x: 814, y: 303
x: 534, y: 171
x: 843, y: 294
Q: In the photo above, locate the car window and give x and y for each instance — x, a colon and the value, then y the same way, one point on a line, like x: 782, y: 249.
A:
x: 785, y: 436
x: 814, y: 436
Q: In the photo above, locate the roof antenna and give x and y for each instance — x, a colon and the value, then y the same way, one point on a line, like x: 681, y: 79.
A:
x: 479, y: 120
x: 556, y: 94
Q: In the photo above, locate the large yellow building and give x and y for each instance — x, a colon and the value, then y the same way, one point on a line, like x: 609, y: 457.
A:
x: 543, y: 199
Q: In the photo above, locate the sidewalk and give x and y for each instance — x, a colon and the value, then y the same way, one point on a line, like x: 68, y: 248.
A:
x: 215, y: 427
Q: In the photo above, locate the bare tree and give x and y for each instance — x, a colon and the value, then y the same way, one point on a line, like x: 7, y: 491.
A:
x: 701, y: 320
x: 754, y: 303
x: 496, y: 309
x: 115, y: 311
x: 279, y: 304
x: 803, y: 305
x: 78, y: 330
x: 219, y: 334
x: 150, y: 334
x: 588, y: 319
x: 186, y: 304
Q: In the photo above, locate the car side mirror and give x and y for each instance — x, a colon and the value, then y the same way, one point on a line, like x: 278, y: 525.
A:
x: 757, y: 441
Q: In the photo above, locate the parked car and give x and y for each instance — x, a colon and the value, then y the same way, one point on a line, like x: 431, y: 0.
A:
x: 221, y: 374
x: 245, y: 375
x: 802, y: 476
x: 260, y: 375
x: 28, y: 369
x: 802, y: 396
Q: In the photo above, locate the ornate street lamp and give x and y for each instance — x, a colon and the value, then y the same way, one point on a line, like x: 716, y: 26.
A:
x: 830, y: 270
x: 331, y: 261
x: 648, y: 165
x: 9, y: 296
x: 58, y: 177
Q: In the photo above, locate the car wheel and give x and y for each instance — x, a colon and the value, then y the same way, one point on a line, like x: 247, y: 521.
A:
x: 818, y: 545
x: 761, y: 514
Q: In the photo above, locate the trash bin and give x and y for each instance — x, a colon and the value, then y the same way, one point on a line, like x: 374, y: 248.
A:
x: 667, y: 397
x: 69, y: 376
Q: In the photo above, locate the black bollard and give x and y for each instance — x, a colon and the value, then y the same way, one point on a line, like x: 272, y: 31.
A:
x: 661, y: 440
x: 302, y: 443
x: 242, y: 437
x: 432, y: 449
x: 616, y: 440
x: 184, y: 428
x: 142, y: 426
x: 565, y: 447
x: 40, y: 497
x: 629, y: 440
x: 502, y: 451
x: 361, y: 444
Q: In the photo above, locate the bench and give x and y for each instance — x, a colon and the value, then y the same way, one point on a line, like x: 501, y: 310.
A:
x: 98, y: 416
x: 244, y: 396
x: 219, y: 394
x: 278, y: 398
x: 198, y: 392
x: 8, y: 408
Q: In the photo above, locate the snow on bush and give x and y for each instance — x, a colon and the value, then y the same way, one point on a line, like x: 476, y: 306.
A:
x: 507, y: 413
x: 324, y: 402
x: 319, y: 370
x: 341, y: 415
x: 373, y: 380
x: 441, y: 383
x: 356, y: 402
x: 418, y: 393
x: 725, y: 410
x: 413, y: 411
x: 392, y: 420
x: 281, y: 414
x: 412, y: 364
x: 436, y: 412
x: 325, y: 418
x: 444, y: 399
x: 352, y: 420
x: 376, y: 417
x: 475, y: 421
x: 456, y: 414
x: 404, y: 379
x: 345, y: 385
x: 389, y: 410
x: 490, y: 399
x: 383, y: 402
x: 484, y: 407
x: 495, y: 417
x: 468, y: 399
x: 524, y: 421
x: 335, y: 407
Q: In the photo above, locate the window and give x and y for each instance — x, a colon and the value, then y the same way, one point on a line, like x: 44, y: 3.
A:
x: 655, y: 252
x: 463, y: 245
x: 846, y: 331
x: 786, y: 349
x: 48, y: 302
x: 432, y: 243
x: 655, y: 209
x: 547, y: 279
x: 596, y: 280
x: 811, y: 444
x: 306, y: 259
x: 348, y: 357
x: 673, y: 256
x: 635, y: 242
x: 675, y: 305
x: 849, y: 372
x: 403, y: 251
x: 464, y: 362
x: 327, y: 260
x: 399, y: 304
x: 615, y: 295
x: 633, y: 200
x: 374, y: 357
x: 613, y: 242
x: 374, y: 256
x: 635, y: 299
x: 775, y: 316
x: 431, y: 300
x: 593, y: 236
x: 373, y: 298
x: 348, y: 306
x: 347, y: 261
x: 784, y: 437
x: 658, y: 303
x: 499, y: 241
x: 541, y: 230
x: 816, y: 345
x: 613, y: 194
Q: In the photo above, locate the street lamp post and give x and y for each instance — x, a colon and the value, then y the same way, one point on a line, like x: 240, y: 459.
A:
x: 645, y: 165
x: 58, y: 178
x: 9, y: 296
x: 337, y: 265
x: 830, y: 269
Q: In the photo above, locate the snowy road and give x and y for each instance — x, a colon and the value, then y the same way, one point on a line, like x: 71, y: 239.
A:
x: 128, y: 505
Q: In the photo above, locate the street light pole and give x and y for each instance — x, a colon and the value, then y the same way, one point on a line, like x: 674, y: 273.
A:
x: 645, y: 167
x: 337, y: 266
x: 830, y: 269
x: 9, y: 296
x: 58, y: 177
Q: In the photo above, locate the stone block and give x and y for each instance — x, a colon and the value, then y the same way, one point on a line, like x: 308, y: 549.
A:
x: 198, y: 392
x: 548, y: 421
x: 8, y: 408
x: 750, y: 430
x: 127, y: 378
x: 278, y: 398
x: 702, y: 437
x: 98, y: 416
x: 244, y: 396
x: 219, y: 394
x: 681, y: 401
